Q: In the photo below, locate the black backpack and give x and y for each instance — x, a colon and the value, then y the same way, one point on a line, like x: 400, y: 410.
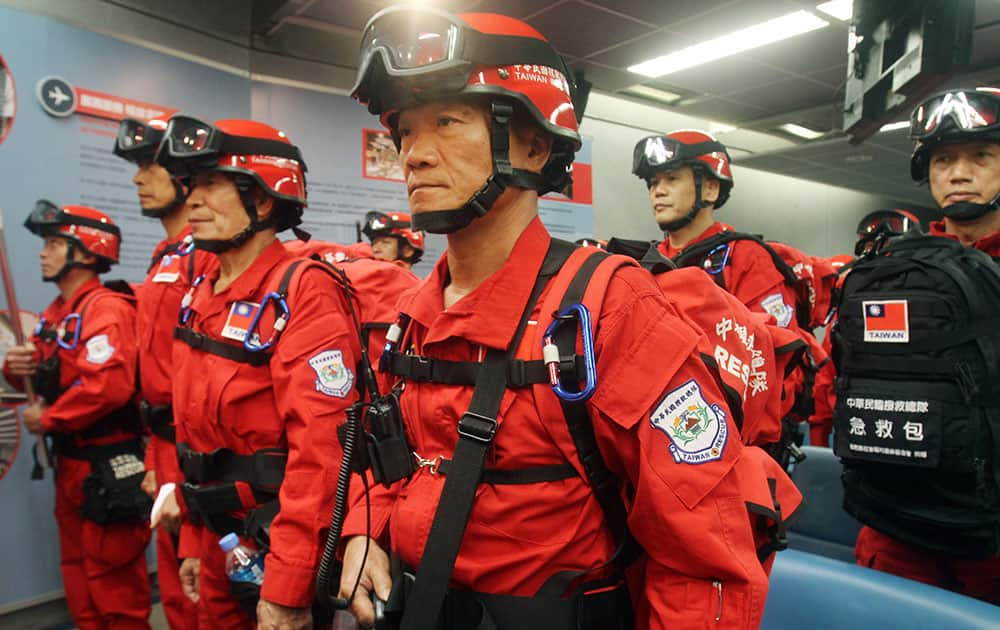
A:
x: 917, y: 349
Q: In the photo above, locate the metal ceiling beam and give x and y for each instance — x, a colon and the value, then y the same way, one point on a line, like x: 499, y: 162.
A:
x: 280, y: 16
x: 320, y: 25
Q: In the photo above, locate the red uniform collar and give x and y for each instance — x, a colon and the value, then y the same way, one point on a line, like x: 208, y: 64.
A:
x: 988, y: 244
x: 716, y: 228
x: 249, y: 283
x: 489, y: 315
x: 73, y: 303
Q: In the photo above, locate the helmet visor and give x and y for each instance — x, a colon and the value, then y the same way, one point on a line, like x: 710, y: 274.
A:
x: 190, y: 137
x: 44, y: 218
x: 411, y: 38
x: 959, y: 111
x: 894, y: 222
x: 137, y: 140
x: 663, y: 153
x: 377, y: 223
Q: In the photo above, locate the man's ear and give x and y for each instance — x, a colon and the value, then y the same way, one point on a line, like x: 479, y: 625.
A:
x: 265, y: 203
x: 539, y: 148
x: 710, y: 189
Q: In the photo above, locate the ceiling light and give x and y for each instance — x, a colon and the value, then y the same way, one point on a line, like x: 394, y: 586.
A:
x: 654, y: 94
x: 749, y: 38
x: 838, y: 9
x: 800, y: 131
x: 903, y: 124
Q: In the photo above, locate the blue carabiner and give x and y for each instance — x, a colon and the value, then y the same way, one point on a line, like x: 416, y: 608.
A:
x: 184, y: 315
x: 40, y: 328
x: 551, y: 353
x: 62, y: 330
x: 710, y: 267
x: 187, y: 246
x: 279, y: 324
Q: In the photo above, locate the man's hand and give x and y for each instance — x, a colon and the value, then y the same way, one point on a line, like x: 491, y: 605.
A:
x: 32, y: 417
x: 375, y: 578
x: 169, y: 516
x: 271, y: 616
x: 190, y: 572
x: 22, y: 360
x: 148, y: 484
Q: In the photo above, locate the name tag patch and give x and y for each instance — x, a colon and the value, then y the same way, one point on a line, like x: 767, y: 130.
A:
x: 170, y: 269
x: 697, y: 429
x: 333, y: 378
x: 241, y: 315
x: 99, y: 349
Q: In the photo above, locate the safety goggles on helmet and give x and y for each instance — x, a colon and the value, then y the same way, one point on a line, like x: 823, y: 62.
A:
x: 895, y: 222
x: 663, y: 153
x: 958, y: 112
x: 377, y: 223
x: 190, y: 145
x: 138, y: 141
x: 439, y: 49
x: 47, y: 219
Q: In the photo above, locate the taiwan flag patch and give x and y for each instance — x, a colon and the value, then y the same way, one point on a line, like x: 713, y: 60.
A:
x: 238, y: 323
x: 886, y: 321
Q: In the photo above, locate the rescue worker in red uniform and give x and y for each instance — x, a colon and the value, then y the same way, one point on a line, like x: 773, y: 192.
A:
x: 82, y: 363
x: 824, y: 398
x: 480, y: 138
x: 264, y: 364
x: 689, y: 176
x: 393, y: 239
x: 173, y: 267
x: 957, y: 154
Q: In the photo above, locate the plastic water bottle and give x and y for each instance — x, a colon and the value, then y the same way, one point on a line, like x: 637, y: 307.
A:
x: 242, y: 563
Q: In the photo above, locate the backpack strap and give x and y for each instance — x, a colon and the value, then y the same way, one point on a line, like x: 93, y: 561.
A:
x: 709, y: 253
x: 584, y: 280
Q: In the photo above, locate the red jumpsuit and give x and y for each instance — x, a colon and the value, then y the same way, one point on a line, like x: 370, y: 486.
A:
x: 690, y: 518
x: 103, y: 566
x: 296, y: 401
x: 821, y: 422
x: 975, y: 578
x: 159, y: 300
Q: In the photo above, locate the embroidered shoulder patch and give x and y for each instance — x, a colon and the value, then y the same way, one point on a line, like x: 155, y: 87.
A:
x: 697, y: 429
x: 333, y: 378
x: 169, y: 270
x: 99, y: 349
x: 775, y: 305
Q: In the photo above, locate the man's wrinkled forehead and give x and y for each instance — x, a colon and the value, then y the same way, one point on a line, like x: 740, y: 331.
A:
x: 463, y: 104
x: 963, y: 147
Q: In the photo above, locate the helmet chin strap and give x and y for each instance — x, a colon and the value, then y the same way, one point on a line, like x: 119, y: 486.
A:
x: 676, y: 224
x: 967, y: 210
x: 504, y: 175
x: 217, y: 246
x: 178, y: 201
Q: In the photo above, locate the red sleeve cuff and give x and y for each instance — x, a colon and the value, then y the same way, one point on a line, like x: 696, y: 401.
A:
x: 288, y: 585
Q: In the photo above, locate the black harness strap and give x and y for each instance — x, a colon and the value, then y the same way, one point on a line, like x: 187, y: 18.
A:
x: 476, y: 431
x: 204, y: 343
x: 692, y: 254
x: 159, y: 419
x: 520, y: 373
x: 518, y: 476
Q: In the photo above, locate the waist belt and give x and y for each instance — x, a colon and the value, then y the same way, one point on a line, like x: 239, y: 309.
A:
x: 65, y: 446
x: 211, y: 494
x: 159, y: 419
